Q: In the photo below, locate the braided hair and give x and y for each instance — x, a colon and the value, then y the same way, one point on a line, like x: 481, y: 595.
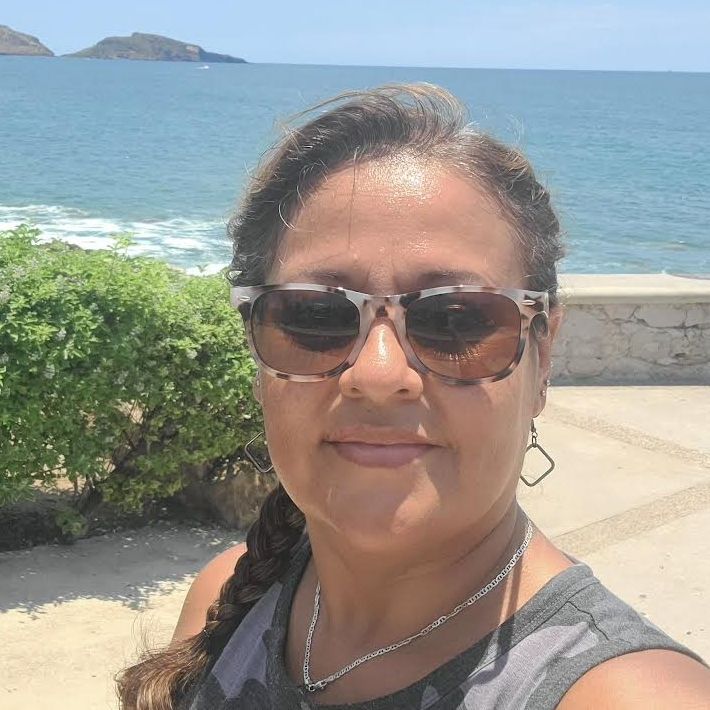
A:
x: 160, y: 681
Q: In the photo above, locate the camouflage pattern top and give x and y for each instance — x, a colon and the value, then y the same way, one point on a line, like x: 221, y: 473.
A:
x: 571, y: 625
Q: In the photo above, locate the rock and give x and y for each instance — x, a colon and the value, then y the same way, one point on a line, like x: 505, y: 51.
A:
x: 232, y: 501
x: 587, y: 367
x: 586, y: 323
x: 153, y: 48
x: 697, y: 315
x: 619, y: 312
x: 661, y: 316
x: 18, y: 43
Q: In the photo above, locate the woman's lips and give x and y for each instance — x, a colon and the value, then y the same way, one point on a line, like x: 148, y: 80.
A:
x: 380, y: 455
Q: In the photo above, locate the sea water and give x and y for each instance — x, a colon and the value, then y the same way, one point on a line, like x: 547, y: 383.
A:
x: 90, y: 148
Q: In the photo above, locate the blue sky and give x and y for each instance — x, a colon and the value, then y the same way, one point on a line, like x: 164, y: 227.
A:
x: 548, y: 34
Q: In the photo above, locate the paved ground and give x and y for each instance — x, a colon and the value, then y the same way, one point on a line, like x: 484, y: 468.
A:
x: 630, y: 496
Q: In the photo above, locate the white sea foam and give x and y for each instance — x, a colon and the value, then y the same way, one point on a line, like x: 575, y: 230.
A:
x: 206, y: 270
x: 195, y: 244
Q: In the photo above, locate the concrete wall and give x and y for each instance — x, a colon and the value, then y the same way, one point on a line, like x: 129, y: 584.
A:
x: 633, y: 329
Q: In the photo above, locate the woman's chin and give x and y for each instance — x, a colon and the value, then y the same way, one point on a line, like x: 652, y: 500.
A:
x: 377, y: 522
x: 372, y: 506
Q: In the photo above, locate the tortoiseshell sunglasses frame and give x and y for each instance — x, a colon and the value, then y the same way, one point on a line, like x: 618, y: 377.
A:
x: 370, y: 307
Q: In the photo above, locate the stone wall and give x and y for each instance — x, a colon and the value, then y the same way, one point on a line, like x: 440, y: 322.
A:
x: 633, y: 329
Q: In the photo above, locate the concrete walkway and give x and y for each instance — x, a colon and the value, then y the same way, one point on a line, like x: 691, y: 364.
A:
x: 630, y: 496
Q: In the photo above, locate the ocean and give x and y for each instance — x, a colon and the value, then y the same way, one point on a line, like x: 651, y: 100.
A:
x: 90, y: 148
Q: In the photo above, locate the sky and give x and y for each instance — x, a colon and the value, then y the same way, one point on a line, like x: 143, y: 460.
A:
x: 639, y: 35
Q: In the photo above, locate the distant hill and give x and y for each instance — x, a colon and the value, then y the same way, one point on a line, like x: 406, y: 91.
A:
x: 13, y: 42
x: 152, y: 47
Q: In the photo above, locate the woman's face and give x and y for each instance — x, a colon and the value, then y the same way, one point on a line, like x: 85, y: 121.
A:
x: 383, y: 454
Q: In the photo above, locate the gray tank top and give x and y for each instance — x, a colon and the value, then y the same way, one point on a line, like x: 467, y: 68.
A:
x: 571, y: 625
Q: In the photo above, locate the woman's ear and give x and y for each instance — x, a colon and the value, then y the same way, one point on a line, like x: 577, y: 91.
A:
x: 545, y: 341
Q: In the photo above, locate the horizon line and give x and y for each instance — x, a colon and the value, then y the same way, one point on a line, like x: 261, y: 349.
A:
x: 247, y: 62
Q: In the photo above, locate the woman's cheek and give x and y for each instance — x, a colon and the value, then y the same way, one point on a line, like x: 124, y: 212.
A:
x: 290, y: 421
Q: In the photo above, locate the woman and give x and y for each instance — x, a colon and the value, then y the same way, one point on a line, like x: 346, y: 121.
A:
x: 397, y: 427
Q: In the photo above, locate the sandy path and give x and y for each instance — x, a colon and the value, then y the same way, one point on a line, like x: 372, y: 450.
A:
x: 93, y: 604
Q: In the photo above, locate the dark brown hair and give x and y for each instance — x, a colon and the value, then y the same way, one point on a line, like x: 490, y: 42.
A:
x: 417, y: 120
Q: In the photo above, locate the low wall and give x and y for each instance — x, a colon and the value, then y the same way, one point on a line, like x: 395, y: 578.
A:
x: 633, y: 329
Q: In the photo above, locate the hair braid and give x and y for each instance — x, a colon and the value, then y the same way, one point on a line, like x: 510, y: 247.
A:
x: 160, y: 681
x: 269, y: 544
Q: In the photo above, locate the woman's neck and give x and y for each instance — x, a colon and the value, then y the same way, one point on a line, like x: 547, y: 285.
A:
x: 374, y: 597
x: 370, y: 601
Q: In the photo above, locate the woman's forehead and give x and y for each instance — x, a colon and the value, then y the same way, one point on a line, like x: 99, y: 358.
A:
x: 396, y: 220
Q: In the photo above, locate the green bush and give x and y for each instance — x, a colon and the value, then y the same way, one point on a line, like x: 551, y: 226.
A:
x: 117, y: 373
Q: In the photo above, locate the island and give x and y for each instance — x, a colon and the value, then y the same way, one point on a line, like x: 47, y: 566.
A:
x: 18, y: 43
x: 153, y: 48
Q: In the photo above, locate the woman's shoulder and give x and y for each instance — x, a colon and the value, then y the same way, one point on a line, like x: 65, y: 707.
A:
x: 657, y: 678
x: 618, y: 659
x: 204, y: 590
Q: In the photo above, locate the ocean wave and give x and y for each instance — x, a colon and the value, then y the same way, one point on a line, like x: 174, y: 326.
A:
x: 182, y: 241
x: 205, y: 270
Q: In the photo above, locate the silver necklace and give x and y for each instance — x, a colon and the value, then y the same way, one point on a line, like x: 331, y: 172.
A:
x: 311, y: 685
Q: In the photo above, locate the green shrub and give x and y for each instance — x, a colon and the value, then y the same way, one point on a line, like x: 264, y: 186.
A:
x: 116, y: 372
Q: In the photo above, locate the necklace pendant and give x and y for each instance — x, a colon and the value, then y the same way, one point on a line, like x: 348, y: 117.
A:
x: 318, y: 685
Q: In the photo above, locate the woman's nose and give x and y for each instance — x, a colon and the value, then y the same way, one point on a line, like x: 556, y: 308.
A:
x: 381, y: 372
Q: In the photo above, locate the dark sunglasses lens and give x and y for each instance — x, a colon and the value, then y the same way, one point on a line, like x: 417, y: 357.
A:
x: 465, y: 335
x: 302, y: 332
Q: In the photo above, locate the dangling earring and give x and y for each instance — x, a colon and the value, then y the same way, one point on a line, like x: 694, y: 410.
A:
x: 530, y: 482
x: 253, y: 459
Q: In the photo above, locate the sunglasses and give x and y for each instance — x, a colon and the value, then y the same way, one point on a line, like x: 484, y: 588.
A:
x: 462, y: 335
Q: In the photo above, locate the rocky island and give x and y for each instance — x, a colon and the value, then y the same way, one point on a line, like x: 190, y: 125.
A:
x: 153, y: 48
x: 13, y: 42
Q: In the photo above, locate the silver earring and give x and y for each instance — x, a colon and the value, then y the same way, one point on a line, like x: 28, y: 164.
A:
x: 256, y: 390
x: 530, y: 482
x: 259, y: 465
